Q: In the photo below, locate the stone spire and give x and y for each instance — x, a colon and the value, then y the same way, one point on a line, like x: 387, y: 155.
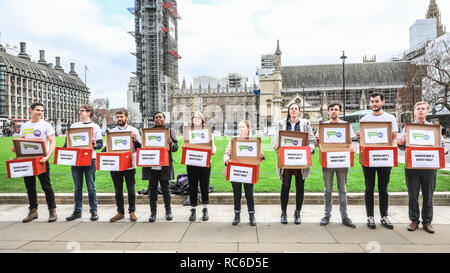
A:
x: 363, y: 101
x: 278, y: 57
x: 183, y: 85
x: 433, y: 12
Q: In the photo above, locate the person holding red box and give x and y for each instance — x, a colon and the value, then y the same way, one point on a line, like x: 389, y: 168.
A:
x: 420, y: 178
x: 383, y: 173
x: 244, y: 131
x: 293, y: 123
x: 161, y: 175
x: 37, y: 128
x: 199, y: 175
x: 127, y: 175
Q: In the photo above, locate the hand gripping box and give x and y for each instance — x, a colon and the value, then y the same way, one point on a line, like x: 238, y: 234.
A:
x: 424, y: 147
x: 119, y: 150
x: 375, y: 149
x: 29, y: 153
x: 243, y: 167
x: 155, y: 148
x: 294, y: 152
x: 79, y: 148
x: 197, y: 146
x: 335, y: 144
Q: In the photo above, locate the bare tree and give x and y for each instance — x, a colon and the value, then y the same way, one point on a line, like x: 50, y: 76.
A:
x: 101, y: 112
x: 436, y: 84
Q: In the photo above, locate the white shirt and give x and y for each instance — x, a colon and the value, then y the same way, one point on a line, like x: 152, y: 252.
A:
x: 352, y: 132
x: 383, y: 117
x: 138, y: 139
x: 38, y: 130
x: 97, y: 132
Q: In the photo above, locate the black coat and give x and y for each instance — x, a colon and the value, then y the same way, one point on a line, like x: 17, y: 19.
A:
x: 167, y: 172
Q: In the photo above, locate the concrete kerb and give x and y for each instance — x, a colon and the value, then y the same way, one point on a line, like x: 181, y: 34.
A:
x: 395, y: 198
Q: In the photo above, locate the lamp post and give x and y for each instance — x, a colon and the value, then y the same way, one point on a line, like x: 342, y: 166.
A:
x: 303, y: 100
x: 343, y: 57
x: 413, y: 83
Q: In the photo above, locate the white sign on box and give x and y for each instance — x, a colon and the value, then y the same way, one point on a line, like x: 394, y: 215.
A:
x: 109, y: 163
x: 381, y: 158
x: 80, y: 139
x: 291, y: 141
x: 196, y: 158
x: 334, y: 135
x: 31, y: 148
x: 21, y: 169
x: 120, y: 143
x: 295, y: 157
x: 421, y: 137
x: 155, y: 140
x: 246, y: 148
x: 199, y: 136
x: 376, y: 136
x: 241, y: 174
x: 424, y: 159
x: 149, y: 157
x: 338, y: 159
x: 67, y: 158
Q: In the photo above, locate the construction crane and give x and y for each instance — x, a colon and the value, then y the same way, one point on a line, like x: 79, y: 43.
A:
x: 172, y: 10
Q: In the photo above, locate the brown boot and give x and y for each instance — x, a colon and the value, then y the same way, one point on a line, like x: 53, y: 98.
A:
x: 133, y: 217
x: 33, y: 214
x: 117, y: 217
x: 52, y: 215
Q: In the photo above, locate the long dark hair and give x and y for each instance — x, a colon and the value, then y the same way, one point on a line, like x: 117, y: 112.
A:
x: 288, y: 114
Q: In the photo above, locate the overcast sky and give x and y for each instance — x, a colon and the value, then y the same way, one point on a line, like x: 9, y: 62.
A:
x: 215, y: 36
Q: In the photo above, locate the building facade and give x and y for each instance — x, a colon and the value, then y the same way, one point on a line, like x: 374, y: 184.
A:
x: 133, y: 103
x: 156, y: 35
x: 23, y: 82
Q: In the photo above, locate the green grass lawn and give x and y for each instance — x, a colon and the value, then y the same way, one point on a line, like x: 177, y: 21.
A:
x: 268, y: 180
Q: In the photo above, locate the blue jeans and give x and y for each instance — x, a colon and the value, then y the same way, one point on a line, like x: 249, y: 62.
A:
x: 89, y: 173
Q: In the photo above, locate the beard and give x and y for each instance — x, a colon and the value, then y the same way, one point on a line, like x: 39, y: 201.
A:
x: 121, y: 123
x: 376, y: 109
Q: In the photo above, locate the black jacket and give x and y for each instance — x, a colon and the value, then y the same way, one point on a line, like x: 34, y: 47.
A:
x: 167, y: 172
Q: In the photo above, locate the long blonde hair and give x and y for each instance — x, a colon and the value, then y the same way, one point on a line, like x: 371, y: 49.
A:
x: 247, y: 123
x: 201, y: 116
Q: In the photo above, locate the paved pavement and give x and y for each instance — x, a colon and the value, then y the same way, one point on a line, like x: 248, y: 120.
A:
x: 218, y: 235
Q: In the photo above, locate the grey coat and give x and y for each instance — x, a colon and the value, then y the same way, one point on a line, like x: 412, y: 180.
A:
x: 305, y: 126
x: 167, y: 172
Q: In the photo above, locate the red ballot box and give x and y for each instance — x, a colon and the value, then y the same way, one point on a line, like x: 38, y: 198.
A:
x: 378, y: 156
x: 425, y: 158
x: 29, y: 153
x: 114, y: 161
x: 290, y: 157
x: 243, y: 172
x: 22, y: 167
x: 196, y: 155
x: 337, y: 159
x: 152, y: 157
x: 73, y: 157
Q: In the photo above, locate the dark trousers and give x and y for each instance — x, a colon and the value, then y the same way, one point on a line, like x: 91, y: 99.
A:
x: 153, y: 190
x: 44, y: 179
x: 237, y: 195
x: 286, y: 187
x: 383, y: 174
x: 198, y: 175
x: 118, y: 178
x: 416, y: 179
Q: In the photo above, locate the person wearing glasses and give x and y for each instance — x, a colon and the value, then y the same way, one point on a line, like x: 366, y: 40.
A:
x: 86, y: 112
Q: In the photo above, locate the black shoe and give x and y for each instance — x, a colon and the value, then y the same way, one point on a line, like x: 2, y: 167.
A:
x: 252, y: 219
x: 193, y: 215
x: 74, y: 216
x: 283, y: 218
x: 297, y: 220
x: 152, y: 217
x: 237, y: 219
x: 324, y: 221
x: 386, y: 223
x: 205, y: 216
x: 94, y: 216
x: 348, y: 222
x: 169, y: 215
x: 371, y: 223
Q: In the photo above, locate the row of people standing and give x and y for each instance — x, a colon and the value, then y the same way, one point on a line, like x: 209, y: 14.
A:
x: 201, y: 175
